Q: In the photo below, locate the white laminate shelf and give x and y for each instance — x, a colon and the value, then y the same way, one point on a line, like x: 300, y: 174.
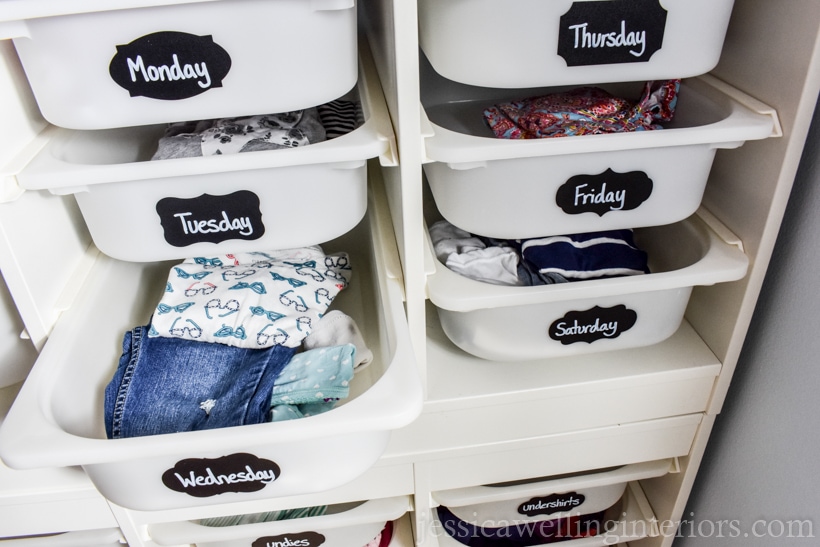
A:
x: 554, y: 415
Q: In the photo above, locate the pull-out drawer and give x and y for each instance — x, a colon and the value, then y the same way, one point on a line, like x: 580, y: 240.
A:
x: 547, y: 498
x: 535, y: 187
x: 172, y: 61
x: 573, y: 42
x: 516, y: 323
x: 630, y: 517
x: 355, y: 524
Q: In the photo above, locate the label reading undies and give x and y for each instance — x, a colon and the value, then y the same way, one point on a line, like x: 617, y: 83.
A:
x: 169, y: 65
x: 212, y: 219
x: 604, y: 192
x: 204, y: 477
x: 302, y: 539
x: 593, y: 324
x: 607, y: 32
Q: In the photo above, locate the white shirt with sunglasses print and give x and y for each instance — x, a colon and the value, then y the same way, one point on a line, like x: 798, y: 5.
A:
x: 250, y: 300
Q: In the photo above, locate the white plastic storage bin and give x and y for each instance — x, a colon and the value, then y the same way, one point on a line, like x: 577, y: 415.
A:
x: 547, y: 498
x: 189, y: 61
x: 344, y: 525
x: 286, y: 198
x: 532, y: 188
x: 508, y: 323
x: 59, y: 501
x: 530, y: 43
x: 57, y: 419
x: 630, y: 518
x: 17, y: 354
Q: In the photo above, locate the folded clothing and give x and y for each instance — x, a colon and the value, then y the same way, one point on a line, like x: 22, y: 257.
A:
x: 259, y: 132
x: 221, y: 348
x: 586, y: 256
x: 538, y: 261
x: 312, y: 382
x: 243, y: 134
x: 471, y: 257
x: 267, y: 516
x: 250, y: 300
x: 583, y: 111
x: 340, y: 117
x: 337, y: 329
x: 168, y: 385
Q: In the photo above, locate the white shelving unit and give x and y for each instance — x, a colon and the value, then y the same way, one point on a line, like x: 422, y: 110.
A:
x: 486, y: 422
x: 482, y: 421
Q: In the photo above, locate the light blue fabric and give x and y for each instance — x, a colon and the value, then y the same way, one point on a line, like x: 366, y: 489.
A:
x: 312, y: 382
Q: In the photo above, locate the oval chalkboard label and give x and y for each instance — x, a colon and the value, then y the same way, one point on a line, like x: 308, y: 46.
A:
x: 212, y: 219
x: 303, y: 539
x: 204, y: 477
x: 169, y: 65
x: 604, y: 192
x: 554, y: 503
x: 593, y: 324
x: 604, y: 32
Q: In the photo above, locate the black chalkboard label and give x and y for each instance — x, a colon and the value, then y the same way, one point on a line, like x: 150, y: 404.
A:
x: 554, y: 503
x: 204, y: 477
x: 593, y: 324
x: 303, y: 539
x: 170, y: 65
x: 212, y: 219
x: 605, y: 32
x: 604, y: 192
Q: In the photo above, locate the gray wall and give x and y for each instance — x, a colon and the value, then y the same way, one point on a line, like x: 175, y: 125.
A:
x: 762, y: 461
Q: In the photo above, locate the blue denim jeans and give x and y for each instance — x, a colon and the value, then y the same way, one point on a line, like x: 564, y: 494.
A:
x: 169, y: 385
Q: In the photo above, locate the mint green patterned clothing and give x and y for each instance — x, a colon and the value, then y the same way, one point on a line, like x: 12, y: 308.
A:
x: 313, y: 382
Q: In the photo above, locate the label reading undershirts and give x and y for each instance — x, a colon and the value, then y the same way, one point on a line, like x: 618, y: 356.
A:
x: 169, y: 65
x: 210, y: 218
x: 302, y: 539
x: 204, y: 477
x: 604, y: 192
x: 593, y: 324
x: 554, y: 503
x: 608, y: 32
